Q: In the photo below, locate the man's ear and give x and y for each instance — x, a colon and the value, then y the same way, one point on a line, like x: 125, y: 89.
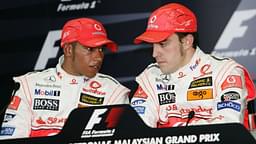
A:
x: 67, y: 49
x: 188, y: 40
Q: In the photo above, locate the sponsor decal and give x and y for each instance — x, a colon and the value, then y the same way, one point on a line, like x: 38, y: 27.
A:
x: 102, y: 122
x: 165, y: 78
x: 89, y: 99
x: 229, y: 104
x: 7, y: 131
x: 151, y: 24
x: 8, y: 117
x: 94, y: 86
x: 166, y: 98
x: 14, y: 103
x: 47, y: 92
x: 73, y: 81
x: 205, y: 70
x: 46, y: 104
x: 232, y: 95
x: 199, y: 94
x: 140, y: 93
x: 94, y: 91
x: 50, y: 79
x: 138, y: 102
x: 184, y: 111
x: 40, y: 121
x: 232, y: 81
x: 198, y: 109
x: 172, y: 107
x: 194, y: 66
x: 139, y: 109
x: 202, y: 82
x: 51, y: 120
x: 181, y: 75
x: 164, y: 87
x: 48, y: 85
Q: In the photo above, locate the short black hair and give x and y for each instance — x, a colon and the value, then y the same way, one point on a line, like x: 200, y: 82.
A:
x: 194, y: 34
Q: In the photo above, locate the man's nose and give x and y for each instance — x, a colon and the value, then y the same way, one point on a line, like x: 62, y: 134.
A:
x: 155, y: 50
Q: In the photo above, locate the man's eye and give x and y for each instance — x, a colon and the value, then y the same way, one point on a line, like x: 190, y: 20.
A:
x: 94, y: 49
x: 89, y: 49
x: 100, y: 49
x: 162, y: 44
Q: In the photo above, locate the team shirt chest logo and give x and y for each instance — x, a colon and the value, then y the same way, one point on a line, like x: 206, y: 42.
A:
x: 93, y: 95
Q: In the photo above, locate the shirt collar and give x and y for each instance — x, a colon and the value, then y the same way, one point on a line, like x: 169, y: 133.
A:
x: 194, y: 63
x: 71, y: 79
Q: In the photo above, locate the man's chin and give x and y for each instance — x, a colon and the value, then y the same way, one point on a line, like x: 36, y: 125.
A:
x: 164, y: 71
x: 91, y: 75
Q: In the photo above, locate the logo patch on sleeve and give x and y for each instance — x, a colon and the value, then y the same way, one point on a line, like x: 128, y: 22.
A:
x: 139, y: 109
x: 140, y: 93
x: 7, y: 131
x: 229, y: 104
x: 14, y: 103
x: 232, y: 81
x: 232, y: 95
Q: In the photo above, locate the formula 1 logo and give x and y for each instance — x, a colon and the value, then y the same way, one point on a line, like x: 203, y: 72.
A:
x: 235, y: 28
x: 75, y: 5
x: 95, y: 118
x: 102, y: 122
x: 237, y: 40
x: 49, y: 49
x: 236, y: 34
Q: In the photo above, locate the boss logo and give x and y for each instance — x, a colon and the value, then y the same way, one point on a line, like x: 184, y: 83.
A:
x: 166, y: 98
x: 46, y: 104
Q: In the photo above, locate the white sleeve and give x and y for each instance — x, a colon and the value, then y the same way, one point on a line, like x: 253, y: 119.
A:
x: 231, y: 98
x: 145, y: 107
x: 17, y: 119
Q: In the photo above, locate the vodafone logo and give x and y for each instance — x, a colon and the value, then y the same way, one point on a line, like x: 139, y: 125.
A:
x: 67, y: 33
x: 153, y: 19
x: 231, y: 79
x: 95, y: 85
x: 151, y: 22
x: 97, y: 27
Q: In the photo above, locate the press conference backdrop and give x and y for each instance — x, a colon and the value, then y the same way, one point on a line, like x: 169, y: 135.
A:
x: 30, y: 33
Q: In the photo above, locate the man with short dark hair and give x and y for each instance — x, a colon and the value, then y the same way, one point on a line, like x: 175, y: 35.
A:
x: 186, y: 86
x: 44, y: 99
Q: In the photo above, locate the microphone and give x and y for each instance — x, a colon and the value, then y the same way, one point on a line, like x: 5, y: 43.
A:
x: 191, y: 114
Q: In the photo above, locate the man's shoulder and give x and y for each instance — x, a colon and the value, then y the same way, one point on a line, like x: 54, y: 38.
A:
x: 152, y: 68
x: 37, y: 74
x: 219, y: 61
x: 106, y: 78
